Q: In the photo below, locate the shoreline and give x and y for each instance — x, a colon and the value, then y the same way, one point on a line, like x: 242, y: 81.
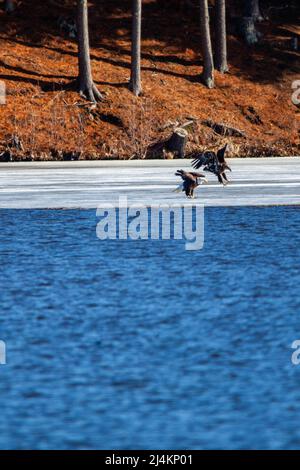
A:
x: 131, y: 163
x: 88, y: 185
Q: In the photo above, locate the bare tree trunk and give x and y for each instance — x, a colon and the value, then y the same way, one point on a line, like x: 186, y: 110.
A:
x: 9, y: 6
x: 135, y: 79
x: 208, y: 66
x: 221, y: 37
x: 251, y: 14
x: 87, y: 87
x: 251, y: 8
x: 256, y: 14
x: 177, y: 142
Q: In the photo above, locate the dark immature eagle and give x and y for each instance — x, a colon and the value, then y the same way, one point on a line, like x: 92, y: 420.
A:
x: 215, y: 163
x: 190, y: 181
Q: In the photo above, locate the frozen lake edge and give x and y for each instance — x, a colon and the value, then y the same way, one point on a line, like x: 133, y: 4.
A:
x: 89, y: 184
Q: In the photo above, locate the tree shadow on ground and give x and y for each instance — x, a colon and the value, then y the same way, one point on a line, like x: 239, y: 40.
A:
x: 166, y: 38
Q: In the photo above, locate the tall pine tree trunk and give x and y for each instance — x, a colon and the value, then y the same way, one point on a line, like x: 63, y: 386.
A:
x: 9, y: 6
x: 87, y: 87
x: 251, y: 8
x: 208, y: 61
x: 221, y: 37
x: 135, y: 79
x: 251, y: 14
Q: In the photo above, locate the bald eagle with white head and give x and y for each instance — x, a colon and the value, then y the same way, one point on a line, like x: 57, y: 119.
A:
x: 191, y: 180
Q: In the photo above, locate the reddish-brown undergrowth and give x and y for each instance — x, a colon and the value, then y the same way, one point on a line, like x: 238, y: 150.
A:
x: 39, y: 67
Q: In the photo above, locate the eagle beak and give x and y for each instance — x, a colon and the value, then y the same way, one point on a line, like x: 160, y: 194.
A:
x: 205, y: 180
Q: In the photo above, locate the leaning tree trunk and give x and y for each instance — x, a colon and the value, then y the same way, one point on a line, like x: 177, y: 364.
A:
x: 9, y: 6
x: 87, y: 87
x: 251, y: 14
x: 208, y: 62
x: 135, y: 79
x: 221, y: 37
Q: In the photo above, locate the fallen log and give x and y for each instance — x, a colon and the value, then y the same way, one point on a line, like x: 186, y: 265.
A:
x: 224, y: 130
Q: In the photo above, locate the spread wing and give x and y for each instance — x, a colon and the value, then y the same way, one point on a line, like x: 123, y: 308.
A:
x: 190, y: 177
x: 196, y: 174
x: 221, y: 154
x: 203, y: 160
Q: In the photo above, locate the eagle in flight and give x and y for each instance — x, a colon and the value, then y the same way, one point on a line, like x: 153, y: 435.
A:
x: 215, y: 163
x: 190, y: 182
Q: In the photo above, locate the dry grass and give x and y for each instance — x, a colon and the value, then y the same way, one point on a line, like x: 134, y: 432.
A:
x: 140, y: 128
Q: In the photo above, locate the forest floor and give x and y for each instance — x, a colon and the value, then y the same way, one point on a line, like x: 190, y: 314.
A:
x: 38, y: 64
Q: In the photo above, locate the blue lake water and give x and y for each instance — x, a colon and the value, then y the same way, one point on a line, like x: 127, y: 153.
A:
x: 142, y: 344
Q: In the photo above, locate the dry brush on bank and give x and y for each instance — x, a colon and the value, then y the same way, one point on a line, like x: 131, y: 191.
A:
x: 39, y: 64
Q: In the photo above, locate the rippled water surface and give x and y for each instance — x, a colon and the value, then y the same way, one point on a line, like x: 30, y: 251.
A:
x: 141, y: 344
